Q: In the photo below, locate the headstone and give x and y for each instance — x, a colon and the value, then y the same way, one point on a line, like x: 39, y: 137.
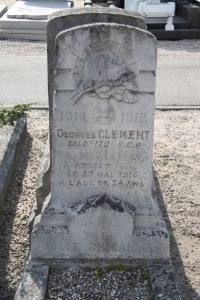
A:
x: 102, y: 202
x: 67, y: 19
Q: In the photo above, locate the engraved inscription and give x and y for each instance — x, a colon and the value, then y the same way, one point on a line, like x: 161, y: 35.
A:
x: 113, y: 183
x: 90, y: 245
x: 60, y: 245
x: 112, y: 223
x: 102, y: 174
x: 94, y: 154
x: 124, y: 117
x: 106, y: 134
x: 102, y: 247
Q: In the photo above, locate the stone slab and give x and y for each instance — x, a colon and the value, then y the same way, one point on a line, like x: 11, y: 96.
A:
x: 152, y: 246
x: 3, y: 10
x: 13, y: 25
x: 163, y: 281
x: 35, y: 10
x: 133, y: 5
x: 11, y: 141
x: 33, y: 285
x: 25, y: 35
x: 26, y: 20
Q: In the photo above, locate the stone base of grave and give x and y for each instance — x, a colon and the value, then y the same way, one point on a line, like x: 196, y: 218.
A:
x: 57, y: 232
x: 101, y: 227
x: 27, y: 20
x: 146, y: 245
x: 34, y: 280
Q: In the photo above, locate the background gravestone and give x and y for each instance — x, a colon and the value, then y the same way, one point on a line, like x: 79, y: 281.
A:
x: 27, y: 20
x: 101, y: 203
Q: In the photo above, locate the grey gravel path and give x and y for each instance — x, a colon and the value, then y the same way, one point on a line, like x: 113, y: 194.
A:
x: 98, y: 284
x: 24, y: 80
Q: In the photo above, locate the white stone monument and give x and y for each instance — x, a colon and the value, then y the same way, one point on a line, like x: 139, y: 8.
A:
x: 102, y: 203
x: 27, y: 20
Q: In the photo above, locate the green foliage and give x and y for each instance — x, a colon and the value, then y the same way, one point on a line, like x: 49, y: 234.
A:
x: 150, y: 296
x: 131, y: 282
x: 120, y: 267
x: 172, y: 236
x: 52, y: 270
x: 146, y: 274
x: 9, y: 116
x: 111, y: 267
x: 100, y: 273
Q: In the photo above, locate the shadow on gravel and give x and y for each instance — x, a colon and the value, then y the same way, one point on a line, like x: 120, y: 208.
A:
x: 7, y: 285
x: 186, y: 290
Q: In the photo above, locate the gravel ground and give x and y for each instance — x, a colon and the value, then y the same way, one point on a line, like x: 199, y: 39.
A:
x: 183, y: 48
x: 99, y: 284
x: 8, y: 3
x: 22, y: 48
x: 14, y: 240
x: 177, y: 166
x: 176, y: 162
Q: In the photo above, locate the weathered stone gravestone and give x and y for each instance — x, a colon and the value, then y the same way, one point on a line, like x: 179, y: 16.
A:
x: 102, y: 202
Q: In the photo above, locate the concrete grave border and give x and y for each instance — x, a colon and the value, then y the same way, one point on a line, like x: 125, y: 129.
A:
x: 10, y: 151
x: 34, y: 283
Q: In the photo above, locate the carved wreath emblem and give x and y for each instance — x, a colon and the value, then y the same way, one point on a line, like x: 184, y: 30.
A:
x: 105, y: 76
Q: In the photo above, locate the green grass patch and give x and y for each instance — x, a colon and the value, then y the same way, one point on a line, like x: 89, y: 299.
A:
x: 8, y: 116
x: 150, y: 296
x: 146, y: 274
x: 100, y: 273
x: 52, y: 270
x: 172, y: 237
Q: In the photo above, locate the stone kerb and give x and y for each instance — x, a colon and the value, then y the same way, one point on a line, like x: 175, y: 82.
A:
x: 101, y: 203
